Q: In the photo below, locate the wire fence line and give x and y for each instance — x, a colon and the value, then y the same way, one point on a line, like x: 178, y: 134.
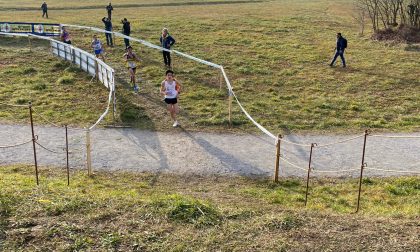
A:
x: 60, y: 46
x: 15, y: 145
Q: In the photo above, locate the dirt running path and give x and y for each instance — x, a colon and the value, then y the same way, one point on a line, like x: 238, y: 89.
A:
x: 183, y: 152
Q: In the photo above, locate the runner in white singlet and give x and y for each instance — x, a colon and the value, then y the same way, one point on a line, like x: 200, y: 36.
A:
x: 170, y: 88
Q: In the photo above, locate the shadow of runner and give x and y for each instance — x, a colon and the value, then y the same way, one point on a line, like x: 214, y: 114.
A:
x: 233, y: 164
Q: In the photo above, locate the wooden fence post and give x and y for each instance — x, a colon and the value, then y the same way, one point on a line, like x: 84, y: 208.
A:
x: 277, y: 165
x: 88, y: 153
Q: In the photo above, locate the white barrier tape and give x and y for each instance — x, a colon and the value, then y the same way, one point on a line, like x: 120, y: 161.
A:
x: 398, y: 171
x: 197, y: 59
x: 294, y: 165
x: 268, y: 133
x: 229, y: 85
x: 385, y: 136
x: 297, y: 144
x: 15, y: 145
x: 146, y: 43
x: 334, y: 171
x: 13, y: 34
x: 105, y: 113
x: 338, y: 142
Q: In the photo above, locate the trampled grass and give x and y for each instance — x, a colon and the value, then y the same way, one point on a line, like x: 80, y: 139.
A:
x: 276, y: 54
x: 157, y: 212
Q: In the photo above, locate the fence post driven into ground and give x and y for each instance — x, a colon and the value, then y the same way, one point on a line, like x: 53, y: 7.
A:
x: 33, y: 143
x: 30, y: 43
x: 220, y: 80
x: 361, y: 170
x: 230, y: 107
x: 277, y: 166
x: 88, y: 152
x: 67, y: 157
x: 309, y: 172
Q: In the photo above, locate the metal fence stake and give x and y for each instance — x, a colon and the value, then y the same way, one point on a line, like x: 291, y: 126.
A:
x: 361, y: 170
x: 67, y: 157
x: 33, y: 143
x: 309, y: 172
x: 276, y: 173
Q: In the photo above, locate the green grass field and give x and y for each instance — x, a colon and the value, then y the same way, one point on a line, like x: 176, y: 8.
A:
x: 276, y: 55
x: 157, y: 212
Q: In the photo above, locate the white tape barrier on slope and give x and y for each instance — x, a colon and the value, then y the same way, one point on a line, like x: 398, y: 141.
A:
x: 111, y: 85
x: 146, y: 43
x: 105, y: 113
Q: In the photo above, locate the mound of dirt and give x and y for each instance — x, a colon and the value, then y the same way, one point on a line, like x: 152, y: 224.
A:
x: 401, y: 34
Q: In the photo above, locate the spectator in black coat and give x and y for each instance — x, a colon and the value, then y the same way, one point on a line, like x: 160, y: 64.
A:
x: 126, y: 31
x: 44, y: 8
x: 109, y: 9
x: 339, y: 50
x: 108, y: 27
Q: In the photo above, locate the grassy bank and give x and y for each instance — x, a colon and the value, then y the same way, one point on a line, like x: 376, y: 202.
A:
x: 275, y: 53
x: 157, y: 212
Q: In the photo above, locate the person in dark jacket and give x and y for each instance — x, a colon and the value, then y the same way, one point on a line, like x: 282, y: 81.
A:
x: 126, y: 31
x: 339, y: 50
x: 44, y: 8
x: 109, y: 9
x: 108, y: 27
x: 166, y: 42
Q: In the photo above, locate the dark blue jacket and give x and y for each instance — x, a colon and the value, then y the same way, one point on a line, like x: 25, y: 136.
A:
x: 168, y: 42
x: 340, y: 44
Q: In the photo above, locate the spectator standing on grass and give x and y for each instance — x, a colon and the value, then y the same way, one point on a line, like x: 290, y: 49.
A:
x: 97, y: 47
x: 65, y: 36
x: 109, y: 9
x: 170, y: 88
x: 126, y: 31
x: 108, y: 27
x: 339, y: 49
x: 166, y: 41
x: 44, y: 8
x: 131, y: 58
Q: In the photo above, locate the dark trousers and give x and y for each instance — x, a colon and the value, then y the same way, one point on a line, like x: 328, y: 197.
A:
x: 109, y: 15
x: 341, y: 54
x: 44, y: 12
x: 167, y: 58
x: 126, y: 42
x: 109, y: 39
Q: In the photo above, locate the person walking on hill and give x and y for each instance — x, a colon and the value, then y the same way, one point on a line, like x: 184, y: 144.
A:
x: 109, y: 9
x: 131, y: 58
x: 108, y: 27
x: 171, y: 88
x: 126, y: 31
x: 339, y: 50
x: 44, y: 8
x: 65, y: 36
x: 97, y: 48
x: 166, y: 42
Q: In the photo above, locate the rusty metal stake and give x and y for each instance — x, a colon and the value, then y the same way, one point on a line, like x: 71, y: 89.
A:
x: 309, y: 172
x: 361, y: 170
x: 67, y: 157
x: 276, y: 174
x: 33, y: 143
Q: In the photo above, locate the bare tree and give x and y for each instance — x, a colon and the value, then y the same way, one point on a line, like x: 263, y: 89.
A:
x: 359, y: 15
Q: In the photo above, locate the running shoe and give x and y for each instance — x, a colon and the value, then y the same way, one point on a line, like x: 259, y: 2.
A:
x: 175, y: 124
